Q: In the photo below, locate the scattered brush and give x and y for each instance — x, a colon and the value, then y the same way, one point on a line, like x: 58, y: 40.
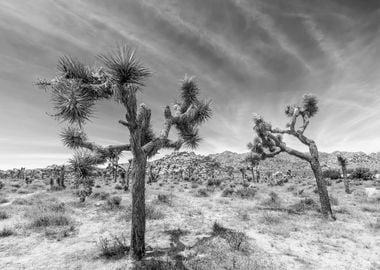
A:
x: 102, y: 195
x: 118, y: 187
x: 304, y: 205
x: 245, y: 192
x: 201, y: 192
x: 3, y: 215
x: 237, y: 240
x: 152, y: 212
x: 115, y: 247
x: 3, y: 200
x: 113, y: 202
x: 165, y: 199
x: 273, y: 201
x: 24, y: 191
x: 269, y: 218
x: 46, y: 219
x: 375, y: 225
x: 5, y: 232
x: 228, y: 191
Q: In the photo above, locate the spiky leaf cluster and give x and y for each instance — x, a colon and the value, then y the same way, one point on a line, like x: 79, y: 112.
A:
x: 73, y: 137
x: 310, y: 104
x: 123, y: 67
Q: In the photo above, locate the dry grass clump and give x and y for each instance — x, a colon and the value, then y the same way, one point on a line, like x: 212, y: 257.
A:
x: 113, y: 203
x: 273, y: 201
x: 102, y: 195
x: 6, y: 231
x: 375, y: 225
x: 237, y: 240
x: 114, y: 247
x: 3, y: 200
x: 152, y: 212
x: 164, y: 199
x: 24, y: 191
x: 333, y: 200
x: 3, y: 215
x: 270, y: 218
x: 304, y: 205
x: 202, y: 192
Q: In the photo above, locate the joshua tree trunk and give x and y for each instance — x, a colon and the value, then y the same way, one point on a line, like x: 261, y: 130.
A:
x: 257, y: 175
x: 138, y: 197
x: 345, y: 180
x: 321, y: 184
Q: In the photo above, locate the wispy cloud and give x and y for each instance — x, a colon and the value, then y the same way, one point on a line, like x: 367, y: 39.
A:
x: 248, y: 56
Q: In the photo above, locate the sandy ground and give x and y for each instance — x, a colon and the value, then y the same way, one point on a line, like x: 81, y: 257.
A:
x: 286, y: 241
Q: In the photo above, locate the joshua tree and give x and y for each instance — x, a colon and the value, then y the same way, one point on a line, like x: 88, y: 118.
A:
x: 77, y: 89
x: 253, y: 162
x: 243, y: 171
x: 343, y: 164
x: 153, y: 175
x: 269, y: 143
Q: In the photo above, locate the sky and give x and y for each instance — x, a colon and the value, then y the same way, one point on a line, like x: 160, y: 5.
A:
x: 248, y: 56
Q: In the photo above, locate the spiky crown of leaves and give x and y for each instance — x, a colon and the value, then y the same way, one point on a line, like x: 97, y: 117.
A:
x: 77, y: 88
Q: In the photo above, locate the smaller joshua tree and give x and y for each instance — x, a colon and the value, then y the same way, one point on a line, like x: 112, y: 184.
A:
x: 269, y: 143
x: 343, y: 164
x: 253, y: 162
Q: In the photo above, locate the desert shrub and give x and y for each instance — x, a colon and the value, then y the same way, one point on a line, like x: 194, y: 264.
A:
x: 303, y: 205
x: 3, y: 200
x: 98, y: 186
x: 237, y: 240
x: 16, y: 185
x: 164, y: 198
x: 331, y: 173
x: 273, y: 201
x: 269, y: 218
x: 214, y: 182
x: 369, y: 209
x: 5, y: 232
x: 3, y: 215
x: 118, y: 187
x: 114, y: 247
x: 23, y: 191
x: 47, y: 219
x: 59, y: 232
x: 152, y: 212
x: 227, y: 192
x: 113, y: 202
x: 362, y: 173
x: 201, y: 192
x: 243, y: 215
x: 375, y: 225
x: 20, y: 201
x: 1, y: 184
x: 246, y: 192
x: 194, y: 185
x: 101, y: 195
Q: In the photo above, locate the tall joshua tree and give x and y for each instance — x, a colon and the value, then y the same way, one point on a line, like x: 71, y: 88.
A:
x: 77, y: 89
x: 269, y: 143
x: 343, y: 164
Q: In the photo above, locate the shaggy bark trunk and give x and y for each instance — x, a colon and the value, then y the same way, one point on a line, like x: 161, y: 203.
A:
x: 138, y: 197
x: 253, y: 174
x: 345, y: 180
x: 321, y: 184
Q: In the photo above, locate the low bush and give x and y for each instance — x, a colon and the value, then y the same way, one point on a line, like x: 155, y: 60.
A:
x: 164, y: 198
x: 273, y: 201
x: 246, y: 192
x: 3, y: 215
x: 118, y: 187
x: 114, y: 247
x: 3, y: 200
x: 214, y: 182
x: 362, y: 173
x: 152, y: 212
x: 5, y: 232
x: 237, y: 240
x: 269, y: 218
x: 202, y: 192
x: 1, y: 184
x: 46, y: 219
x: 102, y: 195
x: 113, y: 202
x: 228, y: 191
x: 331, y: 173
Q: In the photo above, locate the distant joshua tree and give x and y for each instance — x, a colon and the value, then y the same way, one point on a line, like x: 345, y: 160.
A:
x: 253, y: 162
x: 343, y: 164
x: 269, y: 143
x: 77, y: 89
